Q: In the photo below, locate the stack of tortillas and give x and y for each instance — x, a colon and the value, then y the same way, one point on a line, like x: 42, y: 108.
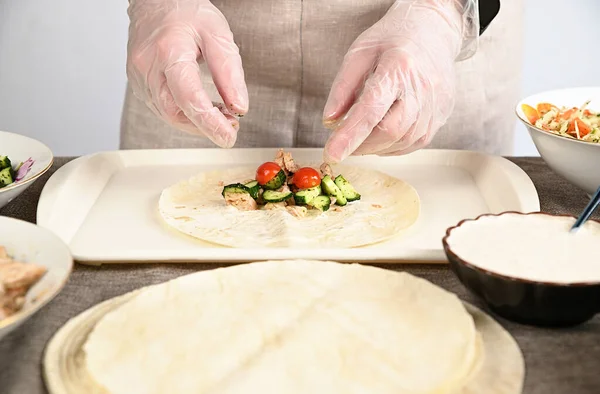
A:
x: 299, y: 327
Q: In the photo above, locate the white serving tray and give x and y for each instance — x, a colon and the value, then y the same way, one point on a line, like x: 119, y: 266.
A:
x: 104, y: 206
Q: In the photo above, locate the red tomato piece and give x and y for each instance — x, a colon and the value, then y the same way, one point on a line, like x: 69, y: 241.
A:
x: 306, y: 177
x: 266, y: 172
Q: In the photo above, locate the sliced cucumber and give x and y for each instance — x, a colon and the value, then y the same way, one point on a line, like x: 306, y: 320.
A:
x: 6, y: 177
x: 321, y: 203
x: 347, y: 189
x: 5, y: 162
x: 253, y: 188
x: 276, y: 182
x: 331, y: 189
x: 235, y: 188
x: 273, y: 196
x: 305, y: 196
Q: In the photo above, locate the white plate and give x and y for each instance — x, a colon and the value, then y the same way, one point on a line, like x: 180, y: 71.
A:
x: 19, y: 148
x: 502, y: 371
x: 104, y: 206
x: 29, y: 243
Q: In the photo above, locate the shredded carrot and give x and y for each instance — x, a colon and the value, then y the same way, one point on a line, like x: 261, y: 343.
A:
x: 581, y: 127
x: 568, y: 113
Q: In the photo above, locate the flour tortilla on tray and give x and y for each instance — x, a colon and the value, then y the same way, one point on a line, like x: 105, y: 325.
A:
x: 197, y: 208
x: 287, y: 327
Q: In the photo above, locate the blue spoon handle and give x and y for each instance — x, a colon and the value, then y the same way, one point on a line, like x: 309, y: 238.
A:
x: 587, y: 212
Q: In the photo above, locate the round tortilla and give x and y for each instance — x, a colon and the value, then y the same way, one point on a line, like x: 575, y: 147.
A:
x: 287, y: 327
x: 501, y: 370
x: 197, y: 208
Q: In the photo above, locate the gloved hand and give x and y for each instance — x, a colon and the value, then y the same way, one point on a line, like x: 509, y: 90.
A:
x: 395, y: 88
x: 167, y: 39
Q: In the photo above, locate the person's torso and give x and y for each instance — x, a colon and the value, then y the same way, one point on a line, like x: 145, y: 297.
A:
x: 291, y: 51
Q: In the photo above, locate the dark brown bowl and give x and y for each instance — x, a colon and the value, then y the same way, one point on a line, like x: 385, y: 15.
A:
x: 526, y: 301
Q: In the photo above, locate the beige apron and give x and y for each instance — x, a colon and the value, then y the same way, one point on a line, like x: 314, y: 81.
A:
x: 291, y: 51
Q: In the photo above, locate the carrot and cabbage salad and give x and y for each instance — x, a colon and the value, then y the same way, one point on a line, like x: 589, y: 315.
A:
x: 576, y: 122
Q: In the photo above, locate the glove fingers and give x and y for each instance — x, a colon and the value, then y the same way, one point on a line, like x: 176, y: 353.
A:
x: 223, y: 59
x: 417, y: 137
x: 183, y: 79
x: 419, y: 144
x: 379, y: 94
x: 356, y: 67
x: 396, y: 123
x: 163, y: 103
x: 233, y: 120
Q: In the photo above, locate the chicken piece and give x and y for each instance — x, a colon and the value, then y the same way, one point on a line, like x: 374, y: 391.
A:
x: 279, y: 159
x: 12, y: 301
x: 297, y: 211
x: 284, y: 189
x: 16, y: 279
x: 272, y: 206
x: 289, y: 162
x: 242, y: 201
x: 333, y: 200
x: 20, y: 275
x: 286, y: 162
x: 326, y: 170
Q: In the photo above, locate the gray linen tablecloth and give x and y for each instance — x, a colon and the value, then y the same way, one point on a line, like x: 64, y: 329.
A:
x: 558, y: 361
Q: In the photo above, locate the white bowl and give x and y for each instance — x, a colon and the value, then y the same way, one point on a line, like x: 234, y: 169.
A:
x: 19, y: 148
x: 29, y: 243
x: 576, y: 161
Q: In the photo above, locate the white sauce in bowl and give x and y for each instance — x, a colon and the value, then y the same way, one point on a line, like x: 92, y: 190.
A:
x: 534, y: 247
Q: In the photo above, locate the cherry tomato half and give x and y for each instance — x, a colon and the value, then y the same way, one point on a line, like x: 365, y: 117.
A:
x: 266, y: 172
x: 306, y: 177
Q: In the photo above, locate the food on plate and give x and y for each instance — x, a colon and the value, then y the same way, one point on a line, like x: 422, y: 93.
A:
x: 574, y: 122
x: 16, y: 278
x: 291, y: 327
x: 535, y: 247
x: 283, y: 182
x: 288, y: 204
x: 10, y: 173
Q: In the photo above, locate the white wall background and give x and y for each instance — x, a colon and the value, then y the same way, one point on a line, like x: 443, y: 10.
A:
x: 62, y: 72
x: 62, y: 66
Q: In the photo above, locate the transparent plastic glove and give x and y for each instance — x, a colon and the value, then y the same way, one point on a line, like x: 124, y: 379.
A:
x: 167, y: 40
x: 395, y: 88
